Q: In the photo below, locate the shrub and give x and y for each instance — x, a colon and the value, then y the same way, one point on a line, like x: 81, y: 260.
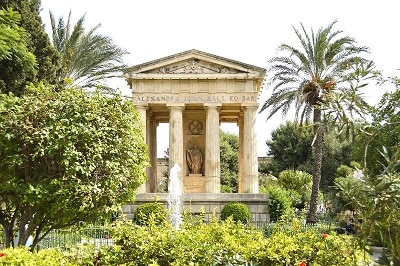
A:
x: 299, y: 181
x: 201, y: 243
x: 279, y: 202
x: 237, y: 210
x: 228, y: 243
x: 149, y: 212
x: 22, y: 256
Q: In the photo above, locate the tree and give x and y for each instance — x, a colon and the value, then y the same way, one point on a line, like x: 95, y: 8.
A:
x: 311, y: 77
x: 384, y: 131
x: 335, y: 152
x: 229, y: 161
x: 291, y: 148
x: 17, y: 64
x: 376, y: 202
x: 38, y: 43
x: 66, y: 157
x: 86, y: 56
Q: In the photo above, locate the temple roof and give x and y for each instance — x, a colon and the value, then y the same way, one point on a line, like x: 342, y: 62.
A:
x: 194, y: 64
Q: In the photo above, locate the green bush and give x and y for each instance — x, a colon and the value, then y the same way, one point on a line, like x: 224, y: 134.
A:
x: 228, y: 243
x: 200, y: 243
x: 296, y: 180
x: 237, y: 210
x: 149, y: 212
x: 21, y: 256
x: 279, y: 202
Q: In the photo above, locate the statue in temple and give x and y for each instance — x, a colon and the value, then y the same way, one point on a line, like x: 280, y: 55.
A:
x: 194, y: 160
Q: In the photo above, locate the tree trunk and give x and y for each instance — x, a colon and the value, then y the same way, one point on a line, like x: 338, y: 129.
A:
x: 8, y: 237
x: 317, y: 146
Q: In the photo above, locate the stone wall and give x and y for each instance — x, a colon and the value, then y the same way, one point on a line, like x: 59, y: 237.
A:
x: 208, y: 203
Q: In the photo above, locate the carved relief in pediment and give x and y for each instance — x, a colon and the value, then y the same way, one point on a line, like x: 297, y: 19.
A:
x: 194, y: 66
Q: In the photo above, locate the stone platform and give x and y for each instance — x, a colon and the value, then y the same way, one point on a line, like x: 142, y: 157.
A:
x: 208, y: 203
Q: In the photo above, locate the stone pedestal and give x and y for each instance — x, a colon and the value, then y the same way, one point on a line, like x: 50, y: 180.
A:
x: 194, y: 183
x: 209, y: 204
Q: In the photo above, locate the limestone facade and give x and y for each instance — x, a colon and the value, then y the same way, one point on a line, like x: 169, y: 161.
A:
x: 194, y: 92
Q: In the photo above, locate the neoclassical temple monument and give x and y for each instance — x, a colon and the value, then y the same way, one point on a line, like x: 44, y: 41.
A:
x: 194, y: 92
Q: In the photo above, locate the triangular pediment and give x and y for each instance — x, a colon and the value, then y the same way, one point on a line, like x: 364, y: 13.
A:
x: 194, y: 62
x: 194, y: 66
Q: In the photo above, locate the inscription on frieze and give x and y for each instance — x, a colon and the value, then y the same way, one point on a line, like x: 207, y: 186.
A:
x: 226, y: 98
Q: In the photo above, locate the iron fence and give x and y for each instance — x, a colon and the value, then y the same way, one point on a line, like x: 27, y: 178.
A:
x: 98, y: 235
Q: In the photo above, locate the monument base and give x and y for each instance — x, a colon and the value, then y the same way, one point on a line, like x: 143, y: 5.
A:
x: 210, y: 204
x: 194, y: 183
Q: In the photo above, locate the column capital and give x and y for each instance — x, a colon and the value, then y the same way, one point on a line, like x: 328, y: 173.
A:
x: 250, y: 106
x: 212, y: 105
x: 141, y: 106
x: 176, y: 106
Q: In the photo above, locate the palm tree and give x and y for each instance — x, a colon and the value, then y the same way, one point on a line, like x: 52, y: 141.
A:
x: 87, y: 58
x: 312, y: 77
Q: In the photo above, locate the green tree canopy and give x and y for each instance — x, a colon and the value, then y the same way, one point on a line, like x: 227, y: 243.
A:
x: 38, y: 43
x: 88, y: 58
x: 17, y: 64
x: 229, y: 161
x: 311, y: 77
x: 291, y: 148
x: 383, y: 132
x: 66, y: 157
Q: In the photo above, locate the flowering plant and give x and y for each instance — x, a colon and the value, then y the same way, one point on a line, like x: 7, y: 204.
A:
x: 377, y: 205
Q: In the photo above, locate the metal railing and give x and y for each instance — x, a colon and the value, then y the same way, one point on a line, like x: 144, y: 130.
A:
x: 98, y: 235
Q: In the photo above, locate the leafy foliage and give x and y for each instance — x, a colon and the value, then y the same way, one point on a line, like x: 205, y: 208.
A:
x: 149, y: 212
x: 66, y: 157
x: 299, y: 182
x: 87, y: 57
x: 377, y: 204
x: 17, y: 63
x: 384, y: 131
x: 335, y: 152
x: 22, y: 256
x: 237, y: 211
x: 229, y: 144
x: 280, y: 201
x: 213, y: 243
x: 291, y: 148
x: 296, y: 180
x: 37, y: 42
x: 312, y: 77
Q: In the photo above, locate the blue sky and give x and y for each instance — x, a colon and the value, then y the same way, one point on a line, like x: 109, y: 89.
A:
x: 247, y: 31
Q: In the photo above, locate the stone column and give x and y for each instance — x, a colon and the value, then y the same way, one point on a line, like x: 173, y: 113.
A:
x: 142, y: 110
x: 240, y: 173
x: 153, y: 156
x: 212, y: 151
x: 176, y: 138
x: 250, y: 161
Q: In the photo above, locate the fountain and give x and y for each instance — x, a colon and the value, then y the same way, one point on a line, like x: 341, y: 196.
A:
x: 174, y: 197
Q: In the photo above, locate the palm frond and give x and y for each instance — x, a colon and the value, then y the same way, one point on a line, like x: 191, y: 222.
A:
x: 87, y: 57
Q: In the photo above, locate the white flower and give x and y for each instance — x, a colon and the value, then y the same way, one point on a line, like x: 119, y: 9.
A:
x: 358, y: 174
